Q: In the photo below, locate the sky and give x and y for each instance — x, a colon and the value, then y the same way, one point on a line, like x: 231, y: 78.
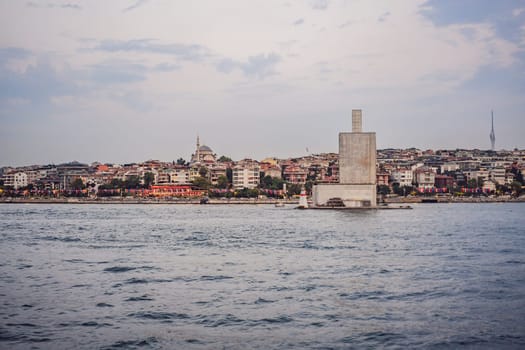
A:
x: 130, y: 80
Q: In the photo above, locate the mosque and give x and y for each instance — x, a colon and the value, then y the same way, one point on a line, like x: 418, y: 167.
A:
x: 203, y: 154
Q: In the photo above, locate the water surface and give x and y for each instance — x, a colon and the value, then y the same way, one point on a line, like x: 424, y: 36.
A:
x: 237, y: 277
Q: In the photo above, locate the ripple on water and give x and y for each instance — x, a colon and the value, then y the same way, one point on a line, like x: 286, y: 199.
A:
x: 150, y: 342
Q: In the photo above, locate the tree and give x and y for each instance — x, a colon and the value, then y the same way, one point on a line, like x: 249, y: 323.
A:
x: 149, y: 179
x: 396, y: 188
x: 116, y: 183
x: 516, y: 188
x: 181, y: 161
x: 266, y: 181
x: 472, y: 183
x: 294, y: 189
x: 383, y: 189
x: 132, y: 182
x: 480, y: 182
x: 222, y: 182
x: 77, y: 184
x: 201, y: 182
x: 203, y: 171
x: 224, y: 159
x: 229, y: 175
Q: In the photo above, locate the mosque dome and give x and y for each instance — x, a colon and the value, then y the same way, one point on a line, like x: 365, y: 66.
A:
x: 205, y: 148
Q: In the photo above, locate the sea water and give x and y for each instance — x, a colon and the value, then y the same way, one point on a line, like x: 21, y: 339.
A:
x: 256, y: 276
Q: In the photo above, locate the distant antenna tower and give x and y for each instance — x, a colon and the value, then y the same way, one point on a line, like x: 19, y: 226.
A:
x: 492, y: 134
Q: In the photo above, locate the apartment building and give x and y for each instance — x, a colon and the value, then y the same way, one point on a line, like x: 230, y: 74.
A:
x: 246, y: 174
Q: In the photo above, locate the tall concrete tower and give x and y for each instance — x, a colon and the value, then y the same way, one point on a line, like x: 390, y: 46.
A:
x: 492, y: 134
x: 357, y: 170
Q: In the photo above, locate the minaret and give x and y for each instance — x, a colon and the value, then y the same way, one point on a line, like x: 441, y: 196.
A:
x: 197, y: 152
x: 492, y: 134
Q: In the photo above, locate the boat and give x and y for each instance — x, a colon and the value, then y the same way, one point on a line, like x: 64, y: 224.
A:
x: 279, y: 204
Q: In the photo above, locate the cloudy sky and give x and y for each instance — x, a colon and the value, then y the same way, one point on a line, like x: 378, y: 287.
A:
x: 127, y: 80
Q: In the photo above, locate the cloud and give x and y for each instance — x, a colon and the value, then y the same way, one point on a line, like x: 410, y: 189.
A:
x: 55, y: 5
x: 517, y: 12
x: 383, y: 17
x: 298, y: 22
x: 495, y: 13
x: 135, y: 5
x: 116, y: 73
x: 180, y: 51
x: 319, y: 4
x: 12, y: 53
x: 346, y: 24
x: 167, y: 67
x: 38, y: 83
x: 260, y: 66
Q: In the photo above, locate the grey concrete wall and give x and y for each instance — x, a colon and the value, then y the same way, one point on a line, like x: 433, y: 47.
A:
x: 353, y: 196
x: 357, y: 158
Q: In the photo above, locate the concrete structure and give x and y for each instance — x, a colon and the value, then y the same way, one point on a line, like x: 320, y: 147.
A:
x: 357, y: 170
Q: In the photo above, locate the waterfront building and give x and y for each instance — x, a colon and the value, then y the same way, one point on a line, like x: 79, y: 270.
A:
x: 403, y: 176
x: 270, y: 169
x: 443, y: 181
x: 357, y: 170
x: 15, y: 180
x: 246, y: 174
x: 425, y: 178
x: 180, y: 175
x: 215, y: 171
x: 295, y: 174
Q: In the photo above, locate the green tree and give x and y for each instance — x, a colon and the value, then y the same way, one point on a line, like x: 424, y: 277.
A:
x: 308, y: 186
x: 383, y: 189
x: 116, y: 183
x: 149, y: 179
x: 229, y: 175
x: 203, y: 171
x: 224, y: 159
x: 472, y: 183
x: 201, y: 182
x: 267, y: 181
x: 181, y: 161
x: 396, y: 188
x: 516, y: 188
x: 222, y: 182
x: 132, y: 182
x: 294, y: 189
x: 480, y: 182
x: 77, y: 184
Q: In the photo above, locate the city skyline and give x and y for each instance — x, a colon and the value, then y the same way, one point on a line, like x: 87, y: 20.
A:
x: 134, y: 80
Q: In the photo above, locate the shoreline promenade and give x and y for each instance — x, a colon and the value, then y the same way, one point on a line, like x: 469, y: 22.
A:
x: 251, y: 201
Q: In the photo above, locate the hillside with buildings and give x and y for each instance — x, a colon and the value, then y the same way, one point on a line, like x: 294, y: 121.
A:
x: 398, y: 171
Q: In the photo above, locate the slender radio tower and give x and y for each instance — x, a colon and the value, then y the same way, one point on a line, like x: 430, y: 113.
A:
x: 492, y: 134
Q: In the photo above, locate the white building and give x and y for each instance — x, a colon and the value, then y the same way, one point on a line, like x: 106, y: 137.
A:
x: 403, y: 176
x: 246, y: 174
x: 15, y: 180
x: 180, y: 175
x: 425, y: 178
